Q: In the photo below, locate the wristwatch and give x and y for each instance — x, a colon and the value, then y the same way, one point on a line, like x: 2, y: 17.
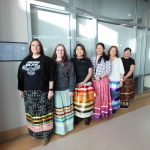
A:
x: 50, y: 89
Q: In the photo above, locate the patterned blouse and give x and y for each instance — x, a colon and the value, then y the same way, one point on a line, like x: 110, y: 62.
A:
x: 101, y: 68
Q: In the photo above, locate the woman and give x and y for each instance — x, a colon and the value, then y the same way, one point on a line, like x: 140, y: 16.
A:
x: 84, y: 92
x: 115, y: 77
x: 101, y: 70
x: 64, y: 87
x: 127, y: 90
x: 35, y: 83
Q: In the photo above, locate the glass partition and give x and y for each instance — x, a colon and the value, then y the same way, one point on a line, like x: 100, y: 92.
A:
x: 118, y: 35
x: 84, y: 5
x: 124, y: 10
x: 51, y: 28
x: 85, y: 33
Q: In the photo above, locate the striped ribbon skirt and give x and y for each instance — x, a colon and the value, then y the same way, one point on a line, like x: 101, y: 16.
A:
x: 115, y: 94
x: 39, y: 113
x: 64, y: 114
x: 83, y: 100
x: 102, y: 104
x: 127, y: 90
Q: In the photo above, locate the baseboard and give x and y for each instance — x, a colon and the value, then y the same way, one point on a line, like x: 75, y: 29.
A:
x: 12, y: 134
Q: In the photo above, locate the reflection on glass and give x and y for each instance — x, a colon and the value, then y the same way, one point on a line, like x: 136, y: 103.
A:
x: 85, y: 5
x: 85, y: 32
x: 107, y: 35
x: 56, y: 19
x: 118, y: 9
x: 147, y: 82
x: 51, y: 28
x: 121, y: 36
x: 140, y: 54
x: 85, y: 29
x: 141, y: 11
x: 147, y: 59
x: 49, y: 5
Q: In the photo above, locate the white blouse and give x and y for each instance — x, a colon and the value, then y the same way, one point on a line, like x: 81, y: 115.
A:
x: 117, y: 69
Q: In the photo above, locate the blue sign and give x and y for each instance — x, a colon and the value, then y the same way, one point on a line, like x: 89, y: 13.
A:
x: 13, y: 51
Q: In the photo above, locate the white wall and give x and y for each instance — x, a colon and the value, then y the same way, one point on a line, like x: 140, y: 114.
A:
x: 13, y: 22
x: 13, y: 28
x: 11, y: 105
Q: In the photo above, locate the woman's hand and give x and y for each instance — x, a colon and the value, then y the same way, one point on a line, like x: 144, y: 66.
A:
x: 50, y: 94
x: 124, y: 79
x: 121, y: 83
x: 21, y: 93
x: 80, y: 84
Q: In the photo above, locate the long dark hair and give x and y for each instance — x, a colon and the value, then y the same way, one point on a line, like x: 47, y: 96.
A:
x: 65, y: 57
x: 127, y: 48
x: 30, y: 52
x: 83, y: 48
x: 40, y: 44
x: 104, y: 56
x: 117, y: 52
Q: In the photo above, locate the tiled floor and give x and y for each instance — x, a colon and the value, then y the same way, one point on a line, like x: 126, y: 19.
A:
x: 126, y: 130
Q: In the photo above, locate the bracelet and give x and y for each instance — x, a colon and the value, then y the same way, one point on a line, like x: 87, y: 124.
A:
x: 50, y: 89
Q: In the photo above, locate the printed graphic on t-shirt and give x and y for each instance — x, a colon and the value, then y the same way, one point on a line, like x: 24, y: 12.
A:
x: 31, y: 67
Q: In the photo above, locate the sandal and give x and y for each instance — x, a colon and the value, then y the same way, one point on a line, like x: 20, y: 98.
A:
x: 126, y: 104
x: 44, y: 141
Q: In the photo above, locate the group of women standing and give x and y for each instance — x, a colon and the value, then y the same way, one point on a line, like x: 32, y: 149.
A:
x: 59, y: 92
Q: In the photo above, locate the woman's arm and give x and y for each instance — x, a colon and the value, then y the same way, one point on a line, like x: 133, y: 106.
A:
x: 51, y: 79
x: 20, y: 77
x: 121, y: 72
x: 132, y: 68
x: 72, y: 78
x: 51, y: 93
x: 108, y: 69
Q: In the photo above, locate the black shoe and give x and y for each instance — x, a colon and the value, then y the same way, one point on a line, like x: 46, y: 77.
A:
x: 114, y: 111
x: 87, y: 121
x: 77, y: 120
x: 123, y: 106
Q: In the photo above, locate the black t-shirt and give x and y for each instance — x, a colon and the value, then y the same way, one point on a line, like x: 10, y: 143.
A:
x: 81, y: 68
x: 32, y: 74
x: 127, y: 63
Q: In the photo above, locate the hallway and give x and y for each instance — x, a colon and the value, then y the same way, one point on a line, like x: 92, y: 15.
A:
x: 128, y: 129
x: 128, y: 132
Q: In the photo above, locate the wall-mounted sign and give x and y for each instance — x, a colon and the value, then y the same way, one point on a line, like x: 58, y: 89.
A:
x: 12, y: 51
